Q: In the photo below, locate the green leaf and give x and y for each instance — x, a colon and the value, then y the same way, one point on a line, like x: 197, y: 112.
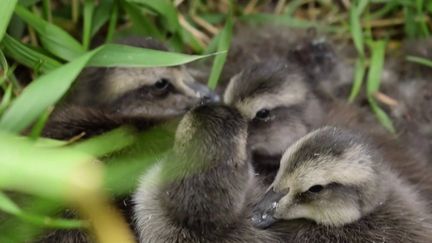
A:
x: 376, y: 66
x: 89, y: 6
x: 53, y: 38
x: 48, y: 89
x: 140, y: 22
x: 356, y: 29
x: 420, y: 60
x: 8, y: 206
x: 223, y: 45
x: 106, y: 143
x: 112, y: 22
x: 48, y: 172
x: 114, y: 55
x: 102, y: 13
x: 382, y: 117
x: 359, y: 73
x: 6, y: 11
x: 28, y: 56
x: 164, y: 8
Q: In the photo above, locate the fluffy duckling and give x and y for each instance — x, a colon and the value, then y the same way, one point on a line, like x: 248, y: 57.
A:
x: 202, y: 191
x: 104, y: 98
x: 334, y: 186
x: 281, y: 105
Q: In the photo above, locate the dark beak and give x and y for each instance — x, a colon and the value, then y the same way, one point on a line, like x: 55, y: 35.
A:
x: 263, y: 213
x: 207, y: 95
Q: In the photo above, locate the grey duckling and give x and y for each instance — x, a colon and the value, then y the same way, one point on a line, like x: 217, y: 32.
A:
x: 334, y: 186
x: 204, y: 189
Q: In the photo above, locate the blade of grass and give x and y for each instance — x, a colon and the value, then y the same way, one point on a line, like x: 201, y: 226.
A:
x: 382, y: 117
x: 376, y: 66
x: 89, y: 6
x: 356, y: 29
x: 420, y: 60
x: 40, y: 124
x: 6, y: 99
x: 359, y: 73
x: 35, y: 98
x: 6, y: 13
x: 140, y: 22
x: 102, y: 13
x: 53, y: 38
x: 8, y: 206
x: 373, y: 82
x: 46, y: 6
x: 106, y: 143
x: 28, y: 56
x: 112, y: 23
x: 164, y: 8
x: 223, y: 45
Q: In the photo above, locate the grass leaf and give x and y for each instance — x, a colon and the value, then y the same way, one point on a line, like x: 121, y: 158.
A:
x: 420, y: 60
x: 53, y: 38
x: 28, y: 56
x: 164, y: 8
x: 223, y: 45
x: 6, y: 11
x: 376, y: 66
x: 359, y: 73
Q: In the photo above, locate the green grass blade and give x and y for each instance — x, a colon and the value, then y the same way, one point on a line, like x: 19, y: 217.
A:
x: 141, y: 23
x: 28, y: 56
x: 8, y: 206
x: 219, y: 61
x: 48, y: 172
x: 89, y: 6
x: 359, y: 73
x: 102, y: 13
x: 6, y: 11
x: 376, y: 66
x: 46, y: 6
x: 164, y: 8
x: 114, y: 55
x: 40, y: 124
x: 106, y: 143
x: 48, y: 89
x: 420, y: 60
x: 54, y: 39
x: 382, y: 117
x: 356, y: 29
x: 112, y: 23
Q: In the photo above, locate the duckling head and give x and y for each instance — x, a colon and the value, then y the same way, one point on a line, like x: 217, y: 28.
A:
x: 330, y: 176
x: 278, y: 102
x: 155, y: 92
x: 211, y: 135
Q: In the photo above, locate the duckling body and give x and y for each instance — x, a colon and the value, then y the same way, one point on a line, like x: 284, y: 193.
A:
x: 333, y: 186
x: 203, y: 191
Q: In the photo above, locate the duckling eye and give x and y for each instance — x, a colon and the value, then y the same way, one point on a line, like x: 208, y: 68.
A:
x: 162, y: 84
x: 262, y: 114
x: 316, y: 188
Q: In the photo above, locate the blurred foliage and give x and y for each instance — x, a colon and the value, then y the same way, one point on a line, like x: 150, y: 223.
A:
x: 46, y: 43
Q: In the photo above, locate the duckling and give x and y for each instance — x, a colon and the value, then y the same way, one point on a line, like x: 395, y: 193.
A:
x: 281, y: 105
x: 334, y: 186
x: 108, y: 97
x: 201, y: 192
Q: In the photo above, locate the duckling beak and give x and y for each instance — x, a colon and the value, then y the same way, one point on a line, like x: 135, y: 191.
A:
x: 207, y: 95
x: 263, y: 213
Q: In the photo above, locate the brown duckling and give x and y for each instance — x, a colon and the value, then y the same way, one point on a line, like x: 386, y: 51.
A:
x: 334, y: 186
x: 203, y: 190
